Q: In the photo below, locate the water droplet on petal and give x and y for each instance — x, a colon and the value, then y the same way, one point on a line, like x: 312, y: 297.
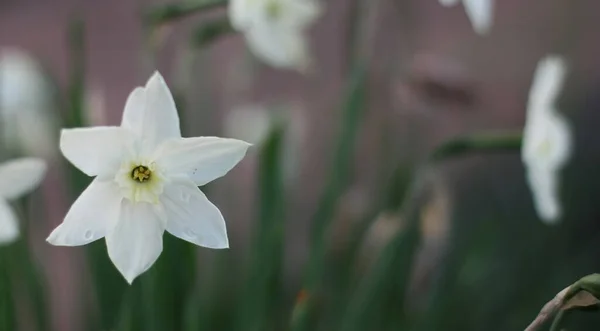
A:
x: 88, y: 234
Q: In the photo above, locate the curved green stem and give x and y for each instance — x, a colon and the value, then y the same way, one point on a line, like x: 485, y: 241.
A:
x: 170, y: 12
x: 484, y: 142
x: 557, y: 319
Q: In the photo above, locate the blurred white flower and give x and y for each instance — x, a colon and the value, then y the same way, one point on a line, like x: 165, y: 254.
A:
x: 249, y: 122
x: 17, y: 177
x: 547, y: 138
x: 275, y: 30
x: 480, y: 13
x: 253, y: 123
x: 147, y: 179
x: 26, y: 114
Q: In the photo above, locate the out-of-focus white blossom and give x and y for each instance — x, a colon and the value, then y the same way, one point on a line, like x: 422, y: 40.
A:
x: 253, y: 122
x: 147, y: 179
x: 480, y: 13
x: 17, y: 177
x: 27, y: 117
x: 275, y: 30
x: 547, y: 138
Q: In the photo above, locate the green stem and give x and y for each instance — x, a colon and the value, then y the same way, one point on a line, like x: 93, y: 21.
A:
x: 171, y: 12
x: 263, y: 292
x: 209, y: 31
x: 557, y: 319
x: 484, y: 142
x: 383, y: 291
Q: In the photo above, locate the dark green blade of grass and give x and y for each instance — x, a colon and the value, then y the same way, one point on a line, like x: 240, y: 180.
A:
x: 477, y: 143
x: 353, y: 108
x: 342, y: 267
x: 379, y: 299
x: 108, y: 284
x: 209, y: 31
x: 261, y: 301
x: 165, y: 288
x: 131, y: 316
x: 161, y: 14
x: 7, y: 305
x: 23, y: 271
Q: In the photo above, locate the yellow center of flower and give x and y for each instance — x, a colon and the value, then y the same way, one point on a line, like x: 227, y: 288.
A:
x: 273, y: 9
x: 141, y: 173
x: 545, y: 147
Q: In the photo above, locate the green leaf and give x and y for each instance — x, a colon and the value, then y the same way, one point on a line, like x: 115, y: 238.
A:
x: 104, y: 274
x: 477, y: 143
x: 171, y: 12
x: 353, y: 109
x: 209, y: 31
x: 379, y: 300
x: 261, y: 300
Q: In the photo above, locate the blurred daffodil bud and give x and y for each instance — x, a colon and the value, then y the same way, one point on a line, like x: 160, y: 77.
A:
x: 480, y: 13
x: 27, y: 117
x: 546, y: 139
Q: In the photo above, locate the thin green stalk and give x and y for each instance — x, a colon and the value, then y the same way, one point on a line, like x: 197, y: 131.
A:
x: 207, y: 32
x: 174, y: 11
x: 383, y: 290
x: 477, y: 143
x: 7, y: 310
x: 391, y: 198
x: 76, y: 38
x: 261, y: 300
x: 23, y: 267
x: 353, y: 110
x: 103, y: 272
x: 557, y: 320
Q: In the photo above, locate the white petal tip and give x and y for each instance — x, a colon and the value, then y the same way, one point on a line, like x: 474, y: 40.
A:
x: 130, y: 279
x: 155, y: 78
x: 53, y: 239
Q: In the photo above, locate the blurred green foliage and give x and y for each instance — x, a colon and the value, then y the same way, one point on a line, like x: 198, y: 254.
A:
x: 496, y: 273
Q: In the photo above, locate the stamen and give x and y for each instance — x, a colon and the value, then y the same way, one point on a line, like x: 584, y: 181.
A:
x: 273, y: 9
x: 141, y: 173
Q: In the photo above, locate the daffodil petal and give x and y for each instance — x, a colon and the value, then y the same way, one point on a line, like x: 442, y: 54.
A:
x: 280, y: 47
x: 96, y: 151
x: 546, y: 85
x: 448, y: 3
x: 9, y: 226
x: 91, y: 216
x: 545, y: 190
x: 241, y: 13
x: 298, y: 14
x: 134, y: 111
x: 547, y: 138
x: 160, y: 119
x: 192, y: 217
x: 135, y: 242
x: 480, y: 12
x: 203, y: 159
x: 20, y: 176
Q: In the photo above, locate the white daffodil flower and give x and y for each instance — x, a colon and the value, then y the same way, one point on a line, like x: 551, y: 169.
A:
x: 546, y: 139
x: 147, y: 179
x: 27, y: 121
x: 17, y: 177
x: 480, y: 13
x: 275, y: 30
